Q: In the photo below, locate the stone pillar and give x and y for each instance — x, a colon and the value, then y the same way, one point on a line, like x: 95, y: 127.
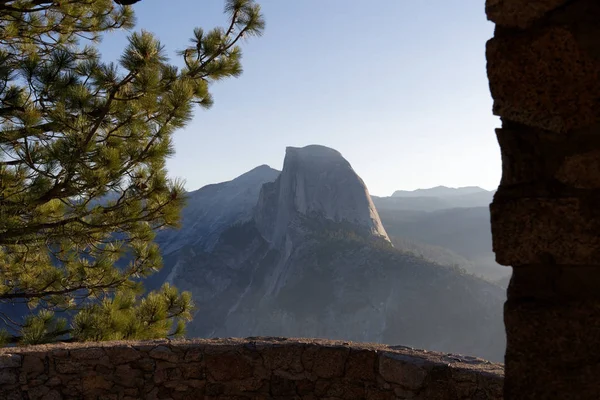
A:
x: 544, y: 75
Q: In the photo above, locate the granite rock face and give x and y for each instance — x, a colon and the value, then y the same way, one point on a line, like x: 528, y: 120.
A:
x: 315, y: 181
x: 254, y: 368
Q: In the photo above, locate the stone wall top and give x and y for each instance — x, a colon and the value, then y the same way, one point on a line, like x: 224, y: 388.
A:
x: 242, y: 368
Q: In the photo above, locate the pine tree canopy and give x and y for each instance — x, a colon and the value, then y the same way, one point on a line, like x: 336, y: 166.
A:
x: 83, y: 183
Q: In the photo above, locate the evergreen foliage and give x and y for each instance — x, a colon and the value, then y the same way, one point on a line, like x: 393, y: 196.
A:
x: 83, y: 145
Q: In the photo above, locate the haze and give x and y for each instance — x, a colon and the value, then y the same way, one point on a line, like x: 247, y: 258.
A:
x: 398, y: 87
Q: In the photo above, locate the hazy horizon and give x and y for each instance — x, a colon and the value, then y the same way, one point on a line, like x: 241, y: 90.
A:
x: 400, y: 89
x: 278, y: 168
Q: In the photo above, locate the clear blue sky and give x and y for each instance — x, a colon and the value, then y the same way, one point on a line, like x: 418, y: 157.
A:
x: 398, y: 87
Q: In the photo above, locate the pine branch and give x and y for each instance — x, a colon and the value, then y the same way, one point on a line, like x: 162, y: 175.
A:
x: 74, y: 128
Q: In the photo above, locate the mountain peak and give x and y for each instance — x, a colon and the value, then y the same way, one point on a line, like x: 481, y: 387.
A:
x: 261, y: 172
x: 316, y: 181
x: 439, y: 191
x: 217, y: 206
x: 315, y: 157
x: 313, y: 150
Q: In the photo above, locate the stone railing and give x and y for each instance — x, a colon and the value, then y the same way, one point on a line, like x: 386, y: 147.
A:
x: 252, y: 368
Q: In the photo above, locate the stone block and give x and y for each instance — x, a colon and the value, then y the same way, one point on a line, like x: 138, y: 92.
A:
x: 543, y: 163
x: 131, y: 392
x: 491, y: 384
x: 466, y: 390
x: 555, y: 283
x: 380, y: 394
x: 178, y: 386
x: 581, y: 171
x: 54, y: 381
x: 193, y: 355
x: 552, y: 350
x: 52, y: 395
x: 60, y: 353
x: 93, y: 383
x: 8, y: 376
x: 546, y: 231
x: 88, y: 354
x: 195, y: 383
x: 228, y: 366
x: 529, y: 155
x: 305, y: 386
x: 68, y: 366
x: 163, y: 353
x: 395, y: 368
x: 248, y: 385
x: 286, y: 358
x: 167, y: 374
x: 194, y: 370
x: 32, y: 365
x: 38, y: 392
x: 326, y: 362
x: 10, y: 361
x: 145, y: 364
x: 361, y: 365
x: 127, y: 376
x: 402, y: 393
x: 519, y: 13
x: 122, y: 354
x: 544, y: 78
x: 439, y: 385
x: 570, y: 328
x: 282, y: 387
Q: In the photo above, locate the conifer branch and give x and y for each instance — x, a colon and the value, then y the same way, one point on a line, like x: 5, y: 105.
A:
x: 73, y: 129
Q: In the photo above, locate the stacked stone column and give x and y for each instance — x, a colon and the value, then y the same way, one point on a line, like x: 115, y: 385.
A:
x: 544, y: 75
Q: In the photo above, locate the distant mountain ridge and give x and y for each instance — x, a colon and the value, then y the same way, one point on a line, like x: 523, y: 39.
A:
x: 440, y: 191
x: 213, y: 208
x: 455, y: 219
x: 436, y: 198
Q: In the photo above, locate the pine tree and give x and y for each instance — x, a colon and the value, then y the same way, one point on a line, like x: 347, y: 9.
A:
x: 83, y: 184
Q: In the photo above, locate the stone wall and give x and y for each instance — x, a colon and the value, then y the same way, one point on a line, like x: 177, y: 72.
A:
x: 268, y: 368
x: 544, y: 76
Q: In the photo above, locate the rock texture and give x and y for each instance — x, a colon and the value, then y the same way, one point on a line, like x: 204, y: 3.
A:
x: 254, y: 368
x: 544, y: 68
x: 315, y: 181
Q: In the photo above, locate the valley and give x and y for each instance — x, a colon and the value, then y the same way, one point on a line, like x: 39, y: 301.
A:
x: 308, y: 252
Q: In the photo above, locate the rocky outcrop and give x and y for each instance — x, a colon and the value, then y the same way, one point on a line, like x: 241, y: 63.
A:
x: 315, y: 181
x: 254, y: 368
